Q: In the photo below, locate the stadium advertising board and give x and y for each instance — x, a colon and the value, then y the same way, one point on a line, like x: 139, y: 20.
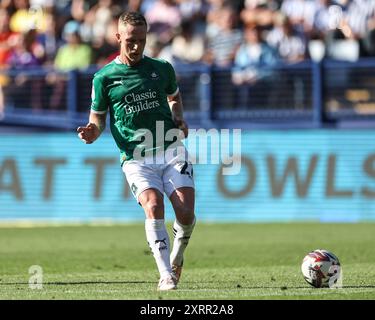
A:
x: 317, y: 175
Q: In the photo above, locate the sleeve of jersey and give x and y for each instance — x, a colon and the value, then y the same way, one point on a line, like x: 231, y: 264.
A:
x: 171, y: 87
x: 99, y: 102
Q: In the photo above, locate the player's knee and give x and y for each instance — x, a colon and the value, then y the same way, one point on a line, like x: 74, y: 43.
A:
x: 185, y: 214
x: 185, y: 210
x: 154, y: 209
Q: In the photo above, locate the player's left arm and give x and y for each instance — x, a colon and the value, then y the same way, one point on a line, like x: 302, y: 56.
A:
x: 175, y: 103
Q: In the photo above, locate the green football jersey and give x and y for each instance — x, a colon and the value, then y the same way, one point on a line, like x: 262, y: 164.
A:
x: 136, y: 97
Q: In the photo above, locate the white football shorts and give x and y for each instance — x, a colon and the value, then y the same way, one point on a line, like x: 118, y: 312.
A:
x: 165, y: 175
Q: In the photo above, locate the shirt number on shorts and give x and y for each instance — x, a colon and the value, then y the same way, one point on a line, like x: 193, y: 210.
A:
x: 187, y: 169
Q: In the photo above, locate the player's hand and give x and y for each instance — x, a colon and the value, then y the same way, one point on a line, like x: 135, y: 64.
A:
x: 89, y: 133
x: 182, y: 125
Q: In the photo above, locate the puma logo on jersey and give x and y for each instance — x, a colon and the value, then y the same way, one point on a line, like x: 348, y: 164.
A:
x: 118, y: 82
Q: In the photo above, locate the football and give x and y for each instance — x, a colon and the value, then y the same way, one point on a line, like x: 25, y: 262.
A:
x: 321, y: 269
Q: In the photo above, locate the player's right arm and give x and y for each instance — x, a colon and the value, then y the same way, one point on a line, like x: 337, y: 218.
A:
x: 93, y: 129
x: 98, y: 113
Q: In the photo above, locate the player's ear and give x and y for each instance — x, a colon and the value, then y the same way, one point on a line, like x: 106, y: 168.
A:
x: 118, y: 38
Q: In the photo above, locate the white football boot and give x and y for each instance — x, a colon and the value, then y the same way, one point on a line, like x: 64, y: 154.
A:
x: 167, y: 283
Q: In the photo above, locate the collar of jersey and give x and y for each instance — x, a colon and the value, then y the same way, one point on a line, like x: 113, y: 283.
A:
x: 118, y: 61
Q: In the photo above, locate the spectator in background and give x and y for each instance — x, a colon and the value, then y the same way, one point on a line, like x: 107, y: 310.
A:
x: 97, y: 20
x: 62, y: 14
x: 5, y: 35
x: 72, y: 55
x: 222, y: 44
x: 321, y: 18
x: 359, y: 13
x: 106, y: 49
x: 26, y: 54
x: 154, y: 48
x: 163, y: 18
x: 46, y: 5
x: 182, y: 29
x: 8, y: 5
x: 258, y: 12
x: 30, y: 50
x: 331, y: 25
x: 78, y: 9
x: 21, y: 19
x: 300, y: 13
x: 253, y: 58
x: 369, y: 39
x: 187, y: 47
x: 142, y: 5
x: 26, y: 18
x: 194, y: 11
x: 49, y: 39
x: 328, y: 17
x: 291, y: 46
x: 5, y: 50
x: 134, y: 5
x: 213, y: 17
x: 253, y: 68
x: 62, y: 8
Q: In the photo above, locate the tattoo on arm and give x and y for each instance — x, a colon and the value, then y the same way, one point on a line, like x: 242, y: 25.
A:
x: 99, y: 120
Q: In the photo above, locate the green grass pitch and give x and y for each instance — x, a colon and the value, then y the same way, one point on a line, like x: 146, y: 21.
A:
x: 223, y: 261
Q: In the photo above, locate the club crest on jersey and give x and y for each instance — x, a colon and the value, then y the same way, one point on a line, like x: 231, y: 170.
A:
x: 154, y: 76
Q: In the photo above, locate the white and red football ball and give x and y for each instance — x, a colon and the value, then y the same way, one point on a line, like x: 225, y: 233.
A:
x: 321, y: 269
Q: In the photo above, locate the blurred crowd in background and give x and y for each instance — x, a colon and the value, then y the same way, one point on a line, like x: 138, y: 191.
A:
x: 77, y: 33
x: 240, y: 34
